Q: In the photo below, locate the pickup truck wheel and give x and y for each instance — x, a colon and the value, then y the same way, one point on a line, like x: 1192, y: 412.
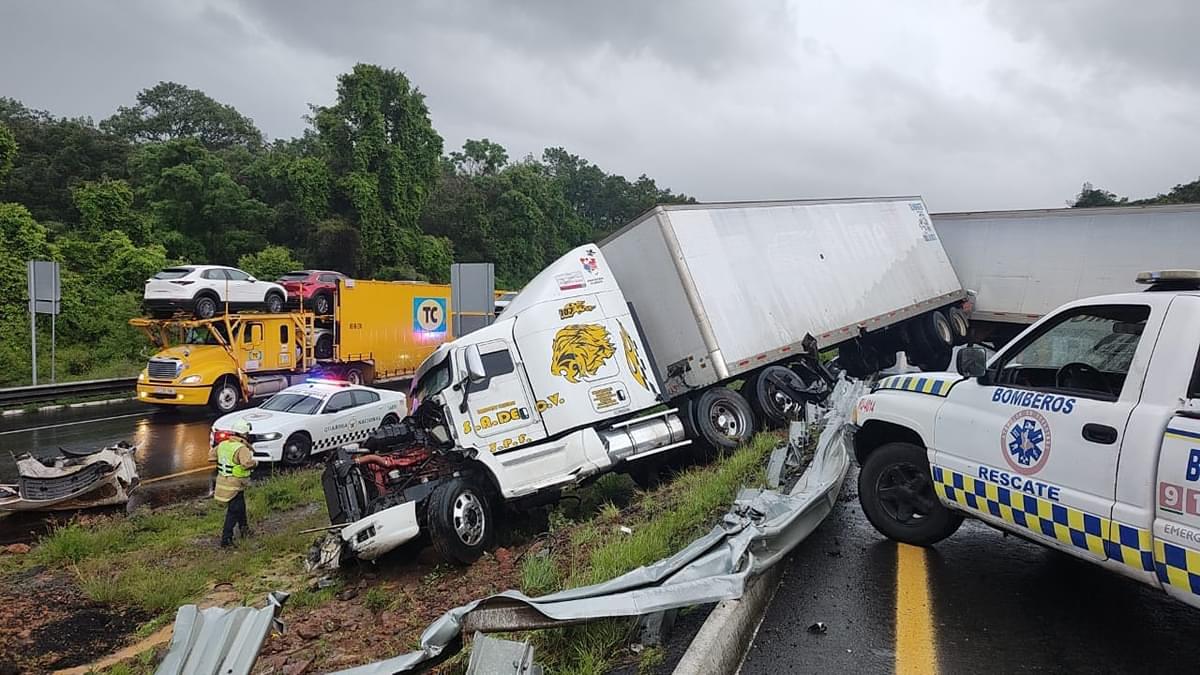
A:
x: 460, y: 520
x: 771, y: 405
x: 297, y: 449
x: 205, y: 307
x: 274, y: 303
x: 897, y: 496
x: 723, y: 418
x: 225, y: 396
x: 322, y: 304
x: 324, y: 347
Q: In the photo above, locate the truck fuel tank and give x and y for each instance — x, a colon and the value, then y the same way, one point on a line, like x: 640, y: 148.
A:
x: 652, y: 433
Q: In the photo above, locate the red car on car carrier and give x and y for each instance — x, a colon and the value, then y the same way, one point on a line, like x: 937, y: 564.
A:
x: 314, y: 289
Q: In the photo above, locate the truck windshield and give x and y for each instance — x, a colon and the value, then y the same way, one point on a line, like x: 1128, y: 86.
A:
x: 300, y: 404
x: 203, y: 335
x: 431, y: 383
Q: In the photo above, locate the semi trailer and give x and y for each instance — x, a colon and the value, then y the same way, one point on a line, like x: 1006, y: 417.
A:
x: 1023, y: 264
x: 379, y: 331
x: 618, y: 353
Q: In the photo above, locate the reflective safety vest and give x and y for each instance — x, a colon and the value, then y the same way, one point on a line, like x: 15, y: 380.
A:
x: 226, y: 464
x: 232, y: 477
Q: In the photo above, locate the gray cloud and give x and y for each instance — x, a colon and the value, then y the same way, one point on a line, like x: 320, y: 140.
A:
x: 973, y: 104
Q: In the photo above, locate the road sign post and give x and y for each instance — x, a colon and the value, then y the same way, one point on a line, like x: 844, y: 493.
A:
x: 45, y: 297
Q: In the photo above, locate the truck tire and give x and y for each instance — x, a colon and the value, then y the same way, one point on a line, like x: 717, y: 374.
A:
x: 771, y: 406
x: 896, y: 492
x: 460, y: 520
x: 322, y: 304
x: 296, y: 449
x: 723, y: 418
x: 324, y: 347
x: 938, y: 330
x: 960, y: 324
x: 225, y: 395
x: 205, y: 307
x: 274, y: 303
x: 354, y: 375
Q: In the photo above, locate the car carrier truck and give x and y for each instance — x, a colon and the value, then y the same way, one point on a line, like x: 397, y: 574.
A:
x: 380, y: 331
x: 618, y: 353
x: 1023, y: 264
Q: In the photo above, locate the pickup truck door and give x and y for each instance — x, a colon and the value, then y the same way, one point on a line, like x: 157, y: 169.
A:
x: 1033, y: 445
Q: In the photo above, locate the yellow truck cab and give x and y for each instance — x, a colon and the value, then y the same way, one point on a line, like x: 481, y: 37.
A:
x: 380, y: 331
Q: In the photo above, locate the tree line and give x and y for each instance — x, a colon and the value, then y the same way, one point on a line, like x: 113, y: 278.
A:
x: 179, y: 177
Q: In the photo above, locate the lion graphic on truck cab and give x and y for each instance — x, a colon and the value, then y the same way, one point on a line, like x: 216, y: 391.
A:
x: 580, y: 350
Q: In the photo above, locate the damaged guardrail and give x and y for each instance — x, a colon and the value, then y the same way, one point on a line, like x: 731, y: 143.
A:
x: 760, y: 528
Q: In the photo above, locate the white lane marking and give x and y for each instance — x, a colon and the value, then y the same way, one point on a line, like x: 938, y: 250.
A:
x: 67, y: 424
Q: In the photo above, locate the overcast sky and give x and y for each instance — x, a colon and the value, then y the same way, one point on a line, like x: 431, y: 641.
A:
x: 974, y: 104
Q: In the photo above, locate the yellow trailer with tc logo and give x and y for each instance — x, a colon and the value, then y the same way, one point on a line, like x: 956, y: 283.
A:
x: 380, y: 331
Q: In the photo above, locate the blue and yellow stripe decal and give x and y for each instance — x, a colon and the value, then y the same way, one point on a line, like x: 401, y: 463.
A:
x: 917, y: 383
x: 1182, y: 435
x: 1131, y: 546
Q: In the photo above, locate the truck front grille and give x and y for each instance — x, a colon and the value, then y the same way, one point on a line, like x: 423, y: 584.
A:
x: 163, y: 369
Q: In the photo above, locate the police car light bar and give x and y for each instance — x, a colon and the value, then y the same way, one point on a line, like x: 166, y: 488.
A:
x: 325, y: 380
x: 1168, y: 275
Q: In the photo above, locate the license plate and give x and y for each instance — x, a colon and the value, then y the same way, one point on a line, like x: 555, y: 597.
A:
x: 164, y: 390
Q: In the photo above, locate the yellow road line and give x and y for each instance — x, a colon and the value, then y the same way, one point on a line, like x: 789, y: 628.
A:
x: 914, y: 614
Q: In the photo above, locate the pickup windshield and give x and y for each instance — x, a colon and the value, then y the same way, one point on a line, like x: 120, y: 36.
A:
x: 300, y: 404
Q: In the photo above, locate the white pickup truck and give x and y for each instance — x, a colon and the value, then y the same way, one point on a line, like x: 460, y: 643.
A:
x: 1082, y: 434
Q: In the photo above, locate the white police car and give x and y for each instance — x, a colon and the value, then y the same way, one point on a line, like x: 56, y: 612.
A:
x: 313, y: 417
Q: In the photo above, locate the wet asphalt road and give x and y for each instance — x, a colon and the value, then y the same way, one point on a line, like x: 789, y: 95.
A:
x: 172, y: 454
x: 995, y: 604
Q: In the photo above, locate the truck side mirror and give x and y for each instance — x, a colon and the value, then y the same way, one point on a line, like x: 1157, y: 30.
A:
x: 972, y: 361
x: 475, y: 371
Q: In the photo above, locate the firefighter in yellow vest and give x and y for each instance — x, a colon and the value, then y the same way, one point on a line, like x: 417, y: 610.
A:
x: 235, y: 459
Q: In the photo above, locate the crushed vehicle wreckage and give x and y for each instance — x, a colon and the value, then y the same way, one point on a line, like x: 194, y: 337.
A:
x: 74, y: 479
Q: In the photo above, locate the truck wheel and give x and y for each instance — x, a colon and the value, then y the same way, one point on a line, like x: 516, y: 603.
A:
x: 205, y: 307
x: 297, y: 449
x: 225, y: 396
x: 354, y: 376
x: 723, y: 418
x: 322, y: 304
x: 274, y: 303
x: 938, y: 330
x: 460, y: 520
x: 960, y: 324
x: 324, y: 347
x: 897, y: 496
x: 771, y: 405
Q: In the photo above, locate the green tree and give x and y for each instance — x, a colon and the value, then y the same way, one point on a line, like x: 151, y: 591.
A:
x: 1090, y: 197
x: 106, y: 205
x: 479, y: 158
x: 270, y: 263
x: 55, y: 154
x: 194, y: 198
x: 8, y: 151
x: 170, y: 111
x: 383, y: 155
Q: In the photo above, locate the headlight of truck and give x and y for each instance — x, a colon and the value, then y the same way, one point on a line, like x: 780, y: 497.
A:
x: 142, y: 376
x: 190, y: 379
x: 272, y: 436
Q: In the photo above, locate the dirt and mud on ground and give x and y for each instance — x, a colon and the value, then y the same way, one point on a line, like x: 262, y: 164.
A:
x: 105, y: 585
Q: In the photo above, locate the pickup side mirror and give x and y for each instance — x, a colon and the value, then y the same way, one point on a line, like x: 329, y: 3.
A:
x: 972, y: 361
x: 475, y: 371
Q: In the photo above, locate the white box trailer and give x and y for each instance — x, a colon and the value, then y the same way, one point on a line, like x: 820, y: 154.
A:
x: 722, y: 289
x: 1023, y: 264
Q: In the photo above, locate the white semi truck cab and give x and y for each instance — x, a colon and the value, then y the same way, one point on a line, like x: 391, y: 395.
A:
x: 558, y: 390
x: 1081, y: 434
